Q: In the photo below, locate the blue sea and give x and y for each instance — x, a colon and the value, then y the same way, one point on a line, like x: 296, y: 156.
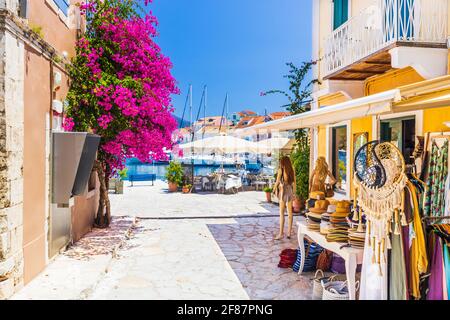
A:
x: 134, y: 166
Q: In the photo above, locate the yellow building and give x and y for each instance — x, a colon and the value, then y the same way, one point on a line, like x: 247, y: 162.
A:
x: 383, y: 72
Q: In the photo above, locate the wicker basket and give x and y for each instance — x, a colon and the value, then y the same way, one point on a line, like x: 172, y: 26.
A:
x: 317, y: 285
x: 336, y: 290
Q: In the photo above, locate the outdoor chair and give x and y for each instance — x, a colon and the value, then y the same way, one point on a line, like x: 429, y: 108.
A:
x: 198, y: 184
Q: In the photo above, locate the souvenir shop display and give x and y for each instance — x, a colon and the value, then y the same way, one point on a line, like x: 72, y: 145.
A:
x: 399, y: 220
x: 338, y: 231
x: 325, y: 224
x: 314, y: 216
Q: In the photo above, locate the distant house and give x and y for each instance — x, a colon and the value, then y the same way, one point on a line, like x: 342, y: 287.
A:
x: 237, y: 116
x: 215, y: 121
x: 279, y: 115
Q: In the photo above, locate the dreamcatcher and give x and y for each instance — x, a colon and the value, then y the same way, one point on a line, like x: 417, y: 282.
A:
x: 379, y: 182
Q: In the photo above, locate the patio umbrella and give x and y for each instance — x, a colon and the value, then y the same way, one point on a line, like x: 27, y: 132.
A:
x: 221, y: 144
x: 273, y: 144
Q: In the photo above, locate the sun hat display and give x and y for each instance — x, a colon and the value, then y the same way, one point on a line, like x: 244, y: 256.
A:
x: 331, y: 208
x: 320, y: 206
x: 318, y: 195
x: 356, y: 238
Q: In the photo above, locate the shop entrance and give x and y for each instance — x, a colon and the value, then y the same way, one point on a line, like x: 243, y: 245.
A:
x: 339, y: 157
x: 402, y: 133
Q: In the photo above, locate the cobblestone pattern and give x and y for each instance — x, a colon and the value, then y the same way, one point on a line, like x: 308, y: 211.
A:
x: 251, y: 251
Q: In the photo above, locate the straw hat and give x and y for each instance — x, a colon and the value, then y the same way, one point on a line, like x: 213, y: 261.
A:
x: 320, y: 206
x: 318, y: 195
x: 343, y: 207
x: 331, y: 208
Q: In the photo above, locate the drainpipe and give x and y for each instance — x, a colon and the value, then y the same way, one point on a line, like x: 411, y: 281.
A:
x: 50, y: 151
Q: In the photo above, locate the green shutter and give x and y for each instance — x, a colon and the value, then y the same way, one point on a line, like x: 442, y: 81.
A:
x: 340, y: 13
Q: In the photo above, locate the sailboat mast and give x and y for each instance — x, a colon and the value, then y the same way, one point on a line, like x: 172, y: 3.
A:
x: 204, y: 111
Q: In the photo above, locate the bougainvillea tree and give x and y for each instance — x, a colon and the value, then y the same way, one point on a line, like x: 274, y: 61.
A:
x: 121, y: 87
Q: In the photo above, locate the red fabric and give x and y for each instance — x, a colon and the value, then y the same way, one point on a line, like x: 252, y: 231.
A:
x: 287, y: 258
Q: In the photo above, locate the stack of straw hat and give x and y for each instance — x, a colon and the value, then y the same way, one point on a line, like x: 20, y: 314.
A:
x: 339, y: 225
x: 356, y: 238
x: 325, y: 224
x: 314, y: 216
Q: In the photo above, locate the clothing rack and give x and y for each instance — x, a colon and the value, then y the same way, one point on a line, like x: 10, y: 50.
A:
x: 436, y: 218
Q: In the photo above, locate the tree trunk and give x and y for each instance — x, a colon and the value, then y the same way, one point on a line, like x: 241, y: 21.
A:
x: 103, y: 218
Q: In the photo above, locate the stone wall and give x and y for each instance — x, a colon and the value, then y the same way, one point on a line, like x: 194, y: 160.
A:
x: 11, y: 162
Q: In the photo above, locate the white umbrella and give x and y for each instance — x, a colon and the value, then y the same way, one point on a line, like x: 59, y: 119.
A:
x: 223, y: 144
x: 273, y: 144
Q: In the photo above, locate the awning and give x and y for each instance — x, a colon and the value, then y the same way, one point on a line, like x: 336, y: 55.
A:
x: 357, y: 108
x: 433, y: 93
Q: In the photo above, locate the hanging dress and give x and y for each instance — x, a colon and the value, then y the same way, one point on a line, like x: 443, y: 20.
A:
x: 438, y: 170
x: 374, y: 280
x: 398, y: 289
x: 436, y: 284
x: 447, y: 268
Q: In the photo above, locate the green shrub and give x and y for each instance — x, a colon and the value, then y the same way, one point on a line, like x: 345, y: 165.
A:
x: 123, y: 173
x: 267, y: 189
x: 174, y: 173
x: 300, y: 161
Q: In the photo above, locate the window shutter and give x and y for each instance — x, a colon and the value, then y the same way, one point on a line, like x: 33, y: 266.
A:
x: 340, y: 13
x: 23, y: 9
x: 63, y: 5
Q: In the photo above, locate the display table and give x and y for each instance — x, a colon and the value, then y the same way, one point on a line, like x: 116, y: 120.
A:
x: 352, y: 256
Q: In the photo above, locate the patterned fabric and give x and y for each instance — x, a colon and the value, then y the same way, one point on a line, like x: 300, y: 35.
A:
x: 312, y: 254
x: 438, y: 171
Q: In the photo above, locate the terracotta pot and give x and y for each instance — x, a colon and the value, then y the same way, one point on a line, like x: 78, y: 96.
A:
x: 298, y: 205
x: 186, y: 190
x: 269, y: 197
x: 173, y: 187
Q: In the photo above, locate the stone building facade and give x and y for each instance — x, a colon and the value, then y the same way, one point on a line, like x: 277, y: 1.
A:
x: 37, y: 39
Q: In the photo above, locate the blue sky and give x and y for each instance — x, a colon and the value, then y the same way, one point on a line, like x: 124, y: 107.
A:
x: 234, y: 46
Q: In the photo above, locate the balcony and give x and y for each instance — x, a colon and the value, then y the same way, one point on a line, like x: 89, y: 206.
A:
x: 361, y: 47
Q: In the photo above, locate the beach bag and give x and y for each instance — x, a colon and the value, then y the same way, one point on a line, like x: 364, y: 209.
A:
x: 329, y: 190
x: 324, y: 260
x: 287, y: 258
x: 317, y: 285
x: 337, y: 264
x: 336, y: 290
x: 312, y: 251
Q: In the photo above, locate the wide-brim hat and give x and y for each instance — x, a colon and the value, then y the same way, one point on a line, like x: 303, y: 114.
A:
x: 318, y: 195
x: 331, y: 208
x: 318, y: 211
x: 314, y: 215
x: 320, y: 206
x: 343, y: 210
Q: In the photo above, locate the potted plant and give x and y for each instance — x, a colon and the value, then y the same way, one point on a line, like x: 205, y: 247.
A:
x: 174, y: 176
x: 119, y: 184
x: 187, y: 188
x: 300, y: 161
x: 268, y: 192
x: 116, y: 183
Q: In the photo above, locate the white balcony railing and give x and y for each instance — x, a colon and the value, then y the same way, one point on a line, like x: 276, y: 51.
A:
x: 381, y: 24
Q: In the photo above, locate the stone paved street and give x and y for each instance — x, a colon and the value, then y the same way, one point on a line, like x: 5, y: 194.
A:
x: 205, y: 258
x: 143, y: 200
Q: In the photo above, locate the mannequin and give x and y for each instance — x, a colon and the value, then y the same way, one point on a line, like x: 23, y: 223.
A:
x: 284, y: 189
x: 319, y: 175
